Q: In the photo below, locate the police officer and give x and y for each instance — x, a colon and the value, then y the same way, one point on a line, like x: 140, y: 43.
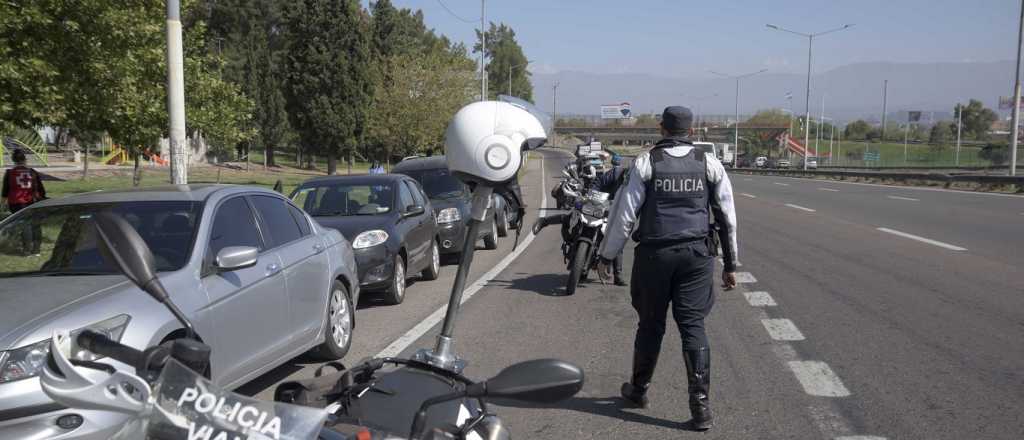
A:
x: 675, y: 189
x: 609, y: 182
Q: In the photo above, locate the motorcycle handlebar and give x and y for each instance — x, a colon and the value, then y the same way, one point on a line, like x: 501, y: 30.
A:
x: 104, y: 346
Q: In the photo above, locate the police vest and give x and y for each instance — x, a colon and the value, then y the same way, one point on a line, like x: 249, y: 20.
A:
x: 676, y: 204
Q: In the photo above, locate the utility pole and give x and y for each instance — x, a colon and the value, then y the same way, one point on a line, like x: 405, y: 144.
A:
x: 483, y: 53
x: 176, y: 94
x: 736, y: 126
x: 959, y: 126
x: 554, y: 106
x: 885, y: 105
x: 1015, y: 130
x: 810, y: 44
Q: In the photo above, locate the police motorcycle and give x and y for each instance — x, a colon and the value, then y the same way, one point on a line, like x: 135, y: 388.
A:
x: 568, y: 190
x: 425, y: 397
x: 583, y: 229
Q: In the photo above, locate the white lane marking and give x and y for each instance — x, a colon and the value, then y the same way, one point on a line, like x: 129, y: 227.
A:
x: 759, y: 299
x: 781, y: 184
x: 922, y: 239
x: 399, y: 345
x: 828, y: 189
x: 818, y: 379
x: 903, y: 198
x: 782, y: 330
x: 800, y: 207
x: 748, y: 179
x: 751, y: 196
x: 745, y: 278
x: 860, y: 437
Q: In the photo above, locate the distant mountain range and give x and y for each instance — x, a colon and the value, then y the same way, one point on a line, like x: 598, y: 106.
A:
x: 851, y: 92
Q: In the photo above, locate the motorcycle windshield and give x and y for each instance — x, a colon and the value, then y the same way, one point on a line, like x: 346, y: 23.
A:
x: 187, y: 406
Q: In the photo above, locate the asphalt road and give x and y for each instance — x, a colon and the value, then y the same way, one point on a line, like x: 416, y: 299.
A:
x: 842, y: 330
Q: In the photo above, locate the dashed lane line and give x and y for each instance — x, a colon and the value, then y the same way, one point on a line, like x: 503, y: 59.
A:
x: 828, y: 189
x: 800, y: 207
x: 760, y: 299
x: 399, y: 345
x: 860, y: 437
x: 818, y: 379
x: 909, y: 199
x: 923, y: 239
x: 782, y: 330
x: 745, y: 278
x: 749, y: 196
x: 781, y: 184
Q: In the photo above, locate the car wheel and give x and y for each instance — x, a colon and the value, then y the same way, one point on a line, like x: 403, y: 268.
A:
x: 432, y: 271
x: 491, y: 240
x: 340, y: 316
x: 396, y: 292
x: 501, y: 219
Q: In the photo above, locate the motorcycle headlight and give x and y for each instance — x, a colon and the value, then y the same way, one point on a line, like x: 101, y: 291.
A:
x: 28, y: 361
x: 369, y: 239
x: 448, y: 215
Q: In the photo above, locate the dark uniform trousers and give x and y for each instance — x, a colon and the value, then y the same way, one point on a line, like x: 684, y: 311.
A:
x: 679, y: 275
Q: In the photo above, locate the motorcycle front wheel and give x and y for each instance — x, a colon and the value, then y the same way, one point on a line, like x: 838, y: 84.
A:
x: 578, y: 265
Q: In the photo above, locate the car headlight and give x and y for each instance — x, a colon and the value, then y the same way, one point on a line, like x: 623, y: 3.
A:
x: 369, y: 239
x: 448, y: 215
x: 25, y: 362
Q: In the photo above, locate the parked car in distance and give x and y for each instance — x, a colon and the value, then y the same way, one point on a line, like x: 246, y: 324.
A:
x: 761, y: 162
x: 451, y: 200
x: 707, y: 147
x: 260, y: 280
x: 782, y: 163
x: 389, y: 221
x: 812, y: 163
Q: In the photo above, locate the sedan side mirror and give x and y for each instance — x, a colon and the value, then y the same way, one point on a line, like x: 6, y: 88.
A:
x: 412, y: 210
x: 236, y: 257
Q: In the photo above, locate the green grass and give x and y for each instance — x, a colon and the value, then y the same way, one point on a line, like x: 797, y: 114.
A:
x: 892, y: 155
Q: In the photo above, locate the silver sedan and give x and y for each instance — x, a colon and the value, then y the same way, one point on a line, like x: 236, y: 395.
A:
x: 298, y: 297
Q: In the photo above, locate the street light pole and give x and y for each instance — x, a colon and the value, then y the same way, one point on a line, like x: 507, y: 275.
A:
x: 1015, y: 130
x: 736, y: 126
x: 510, y: 67
x: 554, y: 105
x: 959, y: 126
x: 176, y: 95
x: 483, y: 53
x: 810, y: 44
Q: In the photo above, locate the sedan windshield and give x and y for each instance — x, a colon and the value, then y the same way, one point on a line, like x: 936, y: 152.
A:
x: 340, y: 199
x: 438, y: 183
x: 61, y: 240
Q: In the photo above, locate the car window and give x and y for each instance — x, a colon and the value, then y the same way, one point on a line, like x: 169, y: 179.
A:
x: 61, y: 240
x: 234, y: 225
x: 301, y: 220
x: 343, y: 199
x: 279, y: 222
x: 404, y: 198
x: 417, y: 194
x: 438, y: 183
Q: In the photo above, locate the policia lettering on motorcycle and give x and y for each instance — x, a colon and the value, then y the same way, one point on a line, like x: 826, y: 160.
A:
x: 677, y: 191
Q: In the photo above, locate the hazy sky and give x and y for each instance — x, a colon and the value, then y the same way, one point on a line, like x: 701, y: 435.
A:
x: 686, y: 38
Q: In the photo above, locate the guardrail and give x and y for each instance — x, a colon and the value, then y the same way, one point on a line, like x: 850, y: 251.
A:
x: 978, y: 182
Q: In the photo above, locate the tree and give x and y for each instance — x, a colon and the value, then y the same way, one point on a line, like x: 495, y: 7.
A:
x: 247, y: 35
x: 768, y: 118
x: 328, y: 77
x: 503, y: 53
x: 857, y: 130
x: 941, y: 132
x: 977, y: 119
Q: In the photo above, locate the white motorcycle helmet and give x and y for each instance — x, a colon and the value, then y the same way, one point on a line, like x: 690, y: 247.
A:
x: 485, y: 141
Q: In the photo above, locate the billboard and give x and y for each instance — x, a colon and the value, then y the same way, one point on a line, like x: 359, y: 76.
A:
x: 616, y: 111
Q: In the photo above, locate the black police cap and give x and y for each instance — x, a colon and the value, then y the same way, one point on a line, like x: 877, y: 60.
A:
x: 676, y: 118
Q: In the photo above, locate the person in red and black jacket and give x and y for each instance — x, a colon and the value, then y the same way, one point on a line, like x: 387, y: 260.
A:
x: 21, y: 188
x: 22, y: 185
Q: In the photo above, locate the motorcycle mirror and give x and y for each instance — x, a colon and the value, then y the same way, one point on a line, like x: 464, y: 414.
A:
x: 120, y: 243
x: 536, y: 381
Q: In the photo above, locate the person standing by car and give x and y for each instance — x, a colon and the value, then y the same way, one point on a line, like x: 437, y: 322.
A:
x: 21, y: 188
x: 609, y: 182
x: 674, y: 190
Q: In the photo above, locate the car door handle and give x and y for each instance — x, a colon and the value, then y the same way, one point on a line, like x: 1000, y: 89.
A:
x: 318, y: 248
x: 273, y: 268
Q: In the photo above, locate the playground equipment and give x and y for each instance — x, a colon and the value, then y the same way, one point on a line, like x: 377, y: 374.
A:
x: 117, y: 155
x: 154, y: 157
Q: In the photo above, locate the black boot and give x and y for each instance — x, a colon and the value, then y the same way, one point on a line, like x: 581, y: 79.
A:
x: 634, y: 394
x: 698, y: 374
